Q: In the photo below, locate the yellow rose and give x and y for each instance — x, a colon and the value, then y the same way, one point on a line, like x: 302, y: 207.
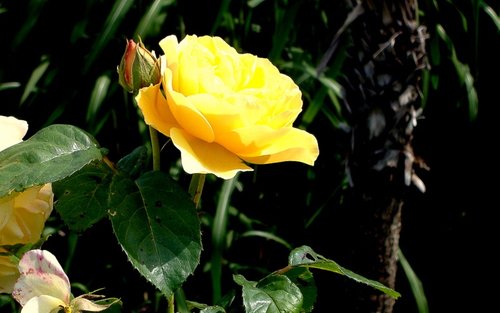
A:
x: 223, y: 109
x: 8, y: 274
x: 22, y: 214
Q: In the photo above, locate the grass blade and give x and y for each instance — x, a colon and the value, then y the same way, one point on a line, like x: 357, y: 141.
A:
x: 415, y: 284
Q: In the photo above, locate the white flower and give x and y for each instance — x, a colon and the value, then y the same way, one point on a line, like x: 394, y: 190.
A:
x: 43, y: 286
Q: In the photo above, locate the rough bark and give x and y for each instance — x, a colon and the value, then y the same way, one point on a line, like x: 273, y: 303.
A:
x: 382, y: 99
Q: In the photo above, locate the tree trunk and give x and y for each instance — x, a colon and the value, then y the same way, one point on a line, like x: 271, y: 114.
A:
x: 382, y: 100
x: 373, y: 250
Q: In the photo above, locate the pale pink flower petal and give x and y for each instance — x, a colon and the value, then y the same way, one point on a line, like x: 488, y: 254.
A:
x: 41, y: 274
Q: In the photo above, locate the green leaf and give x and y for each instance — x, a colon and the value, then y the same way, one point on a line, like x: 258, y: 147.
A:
x: 314, y: 107
x: 273, y: 294
x: 328, y: 82
x: 99, y: 93
x: 267, y: 235
x: 213, y: 309
x: 82, y: 197
x: 204, y: 308
x: 303, y: 278
x: 463, y: 73
x: 30, y: 16
x: 492, y: 14
x: 306, y: 257
x: 34, y: 78
x: 415, y: 284
x: 284, y: 25
x: 134, y: 163
x: 114, y: 19
x: 157, y: 226
x: 9, y: 85
x: 153, y: 19
x: 254, y: 3
x: 53, y: 153
x: 471, y: 94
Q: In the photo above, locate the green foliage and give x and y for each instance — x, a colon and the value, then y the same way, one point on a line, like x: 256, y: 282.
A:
x: 83, y: 196
x: 416, y: 285
x: 213, y: 309
x: 156, y: 224
x: 303, y: 278
x: 153, y: 218
x: 273, y: 294
x: 463, y: 20
x: 114, y: 19
x: 95, y: 119
x: 306, y: 257
x: 292, y: 289
x: 62, y: 69
x: 52, y: 154
x: 463, y: 72
x: 7, y: 303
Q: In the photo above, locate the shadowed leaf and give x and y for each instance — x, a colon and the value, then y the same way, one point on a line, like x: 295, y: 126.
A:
x: 156, y: 224
x: 273, y: 294
x: 304, y: 256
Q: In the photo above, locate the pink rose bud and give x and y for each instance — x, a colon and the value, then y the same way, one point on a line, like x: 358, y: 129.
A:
x: 138, y: 68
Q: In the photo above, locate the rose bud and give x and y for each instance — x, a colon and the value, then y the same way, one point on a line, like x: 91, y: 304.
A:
x: 138, y: 68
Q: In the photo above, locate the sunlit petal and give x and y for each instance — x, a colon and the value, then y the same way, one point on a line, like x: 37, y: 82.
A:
x: 231, y: 103
x: 155, y: 109
x: 188, y: 116
x: 199, y: 156
x: 264, y: 145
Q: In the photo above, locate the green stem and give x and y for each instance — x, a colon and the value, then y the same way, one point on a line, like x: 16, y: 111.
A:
x: 196, y: 188
x: 181, y: 301
x: 155, y: 145
x: 219, y: 231
x: 72, y: 243
x: 171, y: 304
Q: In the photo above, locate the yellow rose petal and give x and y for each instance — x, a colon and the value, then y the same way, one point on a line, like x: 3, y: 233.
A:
x: 170, y: 59
x: 264, y: 145
x: 8, y: 274
x: 38, y: 199
x: 43, y: 304
x: 220, y: 112
x: 6, y: 209
x: 199, y: 156
x: 187, y: 115
x: 155, y: 109
x: 23, y: 215
x: 234, y: 105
